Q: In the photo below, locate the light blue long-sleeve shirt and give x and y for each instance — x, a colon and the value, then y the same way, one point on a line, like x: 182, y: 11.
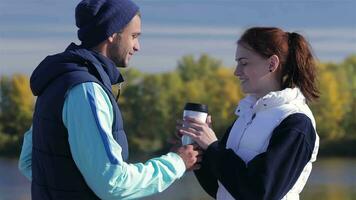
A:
x: 82, y: 105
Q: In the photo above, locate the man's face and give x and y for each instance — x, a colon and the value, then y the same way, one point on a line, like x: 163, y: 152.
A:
x: 125, y: 44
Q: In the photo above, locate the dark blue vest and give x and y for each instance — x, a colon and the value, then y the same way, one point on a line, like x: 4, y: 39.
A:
x: 54, y: 173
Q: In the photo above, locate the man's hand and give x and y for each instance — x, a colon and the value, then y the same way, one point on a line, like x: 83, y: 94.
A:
x: 191, y: 155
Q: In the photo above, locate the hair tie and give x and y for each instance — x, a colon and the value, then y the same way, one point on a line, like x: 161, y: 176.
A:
x: 291, y: 37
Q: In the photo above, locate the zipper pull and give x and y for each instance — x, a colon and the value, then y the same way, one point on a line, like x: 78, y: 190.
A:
x: 118, y: 92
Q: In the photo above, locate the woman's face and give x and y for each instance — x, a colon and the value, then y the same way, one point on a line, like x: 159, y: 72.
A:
x: 252, y: 71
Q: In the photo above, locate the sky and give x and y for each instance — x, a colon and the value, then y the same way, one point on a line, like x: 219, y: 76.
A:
x: 32, y: 29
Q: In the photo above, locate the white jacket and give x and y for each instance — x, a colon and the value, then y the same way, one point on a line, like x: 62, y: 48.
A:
x: 253, y: 129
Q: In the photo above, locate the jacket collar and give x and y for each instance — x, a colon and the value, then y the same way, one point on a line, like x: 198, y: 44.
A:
x: 98, y: 60
x: 74, y: 58
x: 270, y: 100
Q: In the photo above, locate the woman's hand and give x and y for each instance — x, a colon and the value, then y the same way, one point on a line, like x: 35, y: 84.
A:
x: 200, y: 132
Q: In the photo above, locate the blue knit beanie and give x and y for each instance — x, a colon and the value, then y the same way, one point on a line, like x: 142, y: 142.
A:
x: 99, y: 19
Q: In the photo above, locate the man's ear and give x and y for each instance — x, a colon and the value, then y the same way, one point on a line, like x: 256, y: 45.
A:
x: 112, y: 37
x: 273, y: 63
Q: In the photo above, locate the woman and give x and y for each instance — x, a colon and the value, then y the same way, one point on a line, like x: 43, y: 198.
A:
x: 268, y: 151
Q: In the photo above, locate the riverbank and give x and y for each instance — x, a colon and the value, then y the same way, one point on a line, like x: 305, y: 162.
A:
x: 343, y: 148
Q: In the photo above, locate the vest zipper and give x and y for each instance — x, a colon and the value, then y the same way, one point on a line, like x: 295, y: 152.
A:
x: 247, y: 125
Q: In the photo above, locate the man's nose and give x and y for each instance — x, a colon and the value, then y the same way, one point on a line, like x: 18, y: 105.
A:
x: 137, y: 46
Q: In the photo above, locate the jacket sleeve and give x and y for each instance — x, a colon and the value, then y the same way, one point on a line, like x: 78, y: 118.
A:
x: 25, y: 160
x: 270, y: 175
x: 88, y: 116
x: 204, y: 175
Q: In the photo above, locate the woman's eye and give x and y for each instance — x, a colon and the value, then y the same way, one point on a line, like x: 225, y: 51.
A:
x: 242, y: 63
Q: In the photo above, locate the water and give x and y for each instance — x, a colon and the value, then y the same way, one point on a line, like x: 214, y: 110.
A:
x: 331, y: 179
x: 13, y: 186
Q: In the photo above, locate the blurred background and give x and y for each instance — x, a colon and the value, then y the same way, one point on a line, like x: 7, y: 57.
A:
x: 187, y: 54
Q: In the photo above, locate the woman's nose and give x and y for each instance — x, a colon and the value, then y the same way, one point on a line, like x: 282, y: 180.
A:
x: 237, y: 71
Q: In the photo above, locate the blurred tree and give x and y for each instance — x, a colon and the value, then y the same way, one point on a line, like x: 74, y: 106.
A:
x: 143, y: 113
x: 208, y: 82
x: 223, y: 95
x: 330, y: 110
x: 349, y: 69
x: 151, y: 103
x: 191, y: 69
x: 16, y: 106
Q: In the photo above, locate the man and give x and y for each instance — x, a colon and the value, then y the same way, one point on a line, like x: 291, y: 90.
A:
x: 77, y: 147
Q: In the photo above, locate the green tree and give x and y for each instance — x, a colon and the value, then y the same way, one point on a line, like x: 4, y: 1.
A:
x: 191, y: 69
x: 349, y: 69
x: 16, y: 108
x: 146, y: 112
x: 16, y: 104
x: 330, y: 109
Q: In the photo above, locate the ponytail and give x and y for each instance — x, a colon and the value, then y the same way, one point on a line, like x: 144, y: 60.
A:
x: 300, y: 69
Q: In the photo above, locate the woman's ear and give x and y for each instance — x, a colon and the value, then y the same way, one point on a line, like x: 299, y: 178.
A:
x: 273, y: 63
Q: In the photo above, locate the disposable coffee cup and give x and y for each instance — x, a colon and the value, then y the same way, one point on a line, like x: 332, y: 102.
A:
x: 197, y: 111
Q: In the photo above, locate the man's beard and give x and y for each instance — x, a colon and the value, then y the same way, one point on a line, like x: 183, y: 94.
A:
x: 116, y: 55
